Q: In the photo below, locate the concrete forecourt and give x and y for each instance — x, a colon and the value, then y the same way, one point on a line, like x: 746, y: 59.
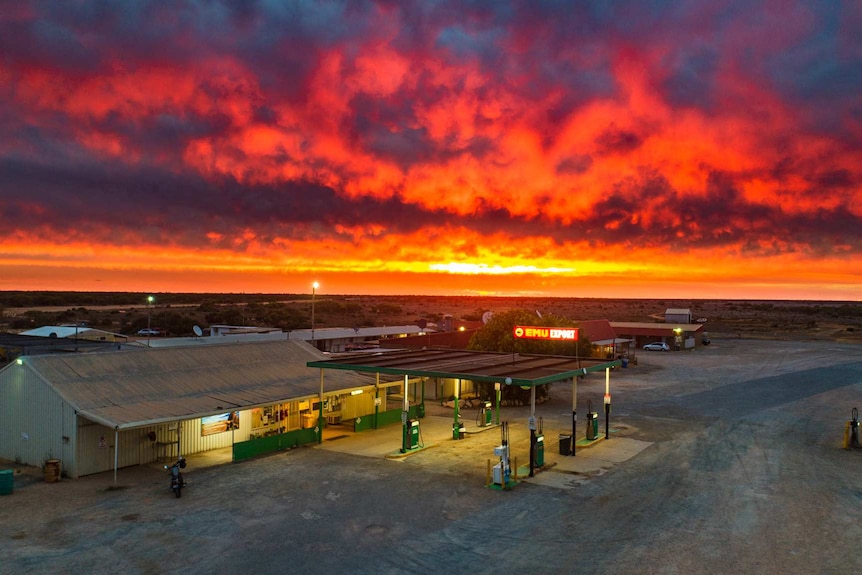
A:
x: 724, y: 459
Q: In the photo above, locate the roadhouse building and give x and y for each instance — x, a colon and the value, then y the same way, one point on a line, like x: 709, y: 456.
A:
x: 101, y: 411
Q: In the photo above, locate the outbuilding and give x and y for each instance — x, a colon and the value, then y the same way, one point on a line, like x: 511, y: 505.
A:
x: 677, y: 315
x: 678, y: 336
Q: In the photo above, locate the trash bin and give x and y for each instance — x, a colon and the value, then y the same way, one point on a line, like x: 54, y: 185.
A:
x: 7, y: 481
x: 565, y: 444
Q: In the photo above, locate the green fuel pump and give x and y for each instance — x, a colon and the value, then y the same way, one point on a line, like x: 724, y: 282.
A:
x: 484, y: 418
x: 410, y: 435
x: 540, y: 445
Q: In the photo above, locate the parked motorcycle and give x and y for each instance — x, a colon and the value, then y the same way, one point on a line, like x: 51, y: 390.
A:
x: 177, y: 481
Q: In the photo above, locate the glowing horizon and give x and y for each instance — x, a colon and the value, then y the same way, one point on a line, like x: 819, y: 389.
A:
x: 699, y: 151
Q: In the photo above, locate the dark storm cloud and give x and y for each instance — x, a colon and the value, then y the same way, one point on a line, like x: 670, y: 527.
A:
x: 614, y: 140
x: 658, y: 216
x: 696, y: 54
x: 574, y: 165
x: 181, y: 209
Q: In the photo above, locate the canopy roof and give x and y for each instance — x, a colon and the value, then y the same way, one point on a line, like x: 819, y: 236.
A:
x: 128, y: 389
x: 508, y: 368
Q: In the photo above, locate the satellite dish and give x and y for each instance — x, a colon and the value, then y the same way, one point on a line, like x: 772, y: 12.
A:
x: 198, y: 331
x: 422, y: 324
x: 486, y: 317
x: 538, y: 313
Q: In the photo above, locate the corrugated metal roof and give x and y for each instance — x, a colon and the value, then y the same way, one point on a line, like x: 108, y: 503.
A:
x: 69, y: 331
x: 451, y: 339
x: 520, y: 369
x: 139, y: 387
x: 298, y: 334
x: 599, y: 331
x: 654, y: 329
x: 346, y: 332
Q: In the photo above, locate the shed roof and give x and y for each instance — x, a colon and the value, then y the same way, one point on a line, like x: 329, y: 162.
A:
x: 69, y: 331
x: 31, y: 344
x: 453, y: 339
x: 514, y: 368
x: 278, y: 335
x: 142, y: 387
x: 654, y: 329
x: 599, y: 331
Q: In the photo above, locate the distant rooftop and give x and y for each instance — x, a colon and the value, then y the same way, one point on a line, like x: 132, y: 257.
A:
x: 71, y: 331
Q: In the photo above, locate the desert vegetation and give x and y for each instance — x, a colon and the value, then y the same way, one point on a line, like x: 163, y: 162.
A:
x: 178, y: 313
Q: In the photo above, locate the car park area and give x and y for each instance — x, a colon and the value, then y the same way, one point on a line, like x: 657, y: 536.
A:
x: 739, y: 467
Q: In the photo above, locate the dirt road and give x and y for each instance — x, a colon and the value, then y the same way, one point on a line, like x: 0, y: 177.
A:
x: 745, y: 474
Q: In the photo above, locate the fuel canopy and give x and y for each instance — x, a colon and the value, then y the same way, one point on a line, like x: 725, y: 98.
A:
x: 508, y: 368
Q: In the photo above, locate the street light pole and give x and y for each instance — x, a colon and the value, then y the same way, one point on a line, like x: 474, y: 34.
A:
x: 314, y: 287
x: 149, y: 303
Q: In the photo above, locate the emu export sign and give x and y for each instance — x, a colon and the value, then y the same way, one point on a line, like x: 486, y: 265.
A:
x: 556, y: 333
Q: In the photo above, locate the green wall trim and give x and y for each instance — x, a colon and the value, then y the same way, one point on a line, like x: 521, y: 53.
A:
x: 261, y: 445
x: 366, y: 422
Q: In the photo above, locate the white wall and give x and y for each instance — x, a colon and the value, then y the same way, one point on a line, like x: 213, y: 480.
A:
x: 35, y: 423
x: 96, y: 443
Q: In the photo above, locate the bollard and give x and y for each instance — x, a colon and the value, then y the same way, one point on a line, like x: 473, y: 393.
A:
x: 854, y: 428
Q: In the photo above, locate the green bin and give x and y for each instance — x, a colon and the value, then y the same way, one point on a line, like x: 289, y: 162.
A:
x: 7, y: 481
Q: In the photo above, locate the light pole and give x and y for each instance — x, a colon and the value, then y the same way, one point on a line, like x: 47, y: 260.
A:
x: 149, y: 303
x: 314, y: 287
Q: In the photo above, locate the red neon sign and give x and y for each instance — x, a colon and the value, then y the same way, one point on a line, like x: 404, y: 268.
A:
x: 554, y: 333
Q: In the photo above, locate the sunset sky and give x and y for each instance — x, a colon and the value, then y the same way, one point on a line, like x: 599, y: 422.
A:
x: 640, y: 149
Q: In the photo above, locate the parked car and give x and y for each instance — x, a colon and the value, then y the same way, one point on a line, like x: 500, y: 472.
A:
x: 657, y: 346
x: 150, y: 331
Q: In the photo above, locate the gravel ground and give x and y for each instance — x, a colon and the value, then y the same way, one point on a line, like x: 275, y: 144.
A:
x: 745, y: 474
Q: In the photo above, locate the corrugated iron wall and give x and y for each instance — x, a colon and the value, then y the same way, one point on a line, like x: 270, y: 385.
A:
x: 191, y: 440
x: 36, y: 424
x: 137, y: 446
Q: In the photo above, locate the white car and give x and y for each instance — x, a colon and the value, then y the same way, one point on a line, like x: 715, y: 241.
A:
x: 146, y: 331
x: 657, y: 346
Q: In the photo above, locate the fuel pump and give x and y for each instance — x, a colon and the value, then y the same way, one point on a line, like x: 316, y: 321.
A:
x: 484, y: 418
x: 540, y: 445
x: 458, y: 429
x: 592, y: 423
x: 410, y: 438
x: 502, y: 469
